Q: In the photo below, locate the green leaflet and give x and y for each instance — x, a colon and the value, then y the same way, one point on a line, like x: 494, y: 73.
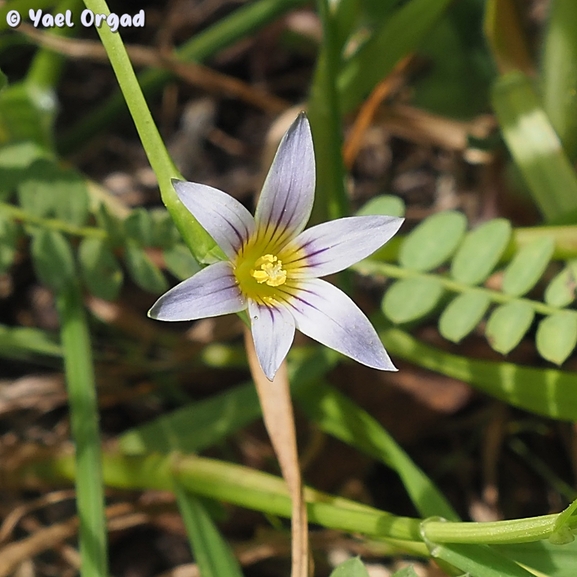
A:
x: 481, y: 251
x: 350, y: 568
x: 180, y: 262
x: 561, y: 290
x: 385, y: 204
x: 527, y: 266
x: 142, y: 270
x: 557, y: 336
x: 100, y: 269
x: 433, y: 242
x: 53, y: 259
x: 508, y: 324
x: 463, y: 314
x: 411, y: 299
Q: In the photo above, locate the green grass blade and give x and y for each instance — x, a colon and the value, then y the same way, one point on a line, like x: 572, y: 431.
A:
x: 212, y: 553
x: 547, y: 392
x: 340, y: 417
x: 559, y: 73
x: 84, y: 424
x: 399, y: 35
x: 535, y: 146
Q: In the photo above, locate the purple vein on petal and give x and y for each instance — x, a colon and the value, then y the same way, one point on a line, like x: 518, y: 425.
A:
x: 288, y: 192
x: 209, y: 293
x: 228, y: 222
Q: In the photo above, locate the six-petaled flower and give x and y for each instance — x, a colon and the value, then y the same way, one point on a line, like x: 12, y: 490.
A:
x: 273, y: 267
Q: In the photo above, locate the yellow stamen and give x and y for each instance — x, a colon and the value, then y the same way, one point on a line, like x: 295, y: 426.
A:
x: 268, y: 269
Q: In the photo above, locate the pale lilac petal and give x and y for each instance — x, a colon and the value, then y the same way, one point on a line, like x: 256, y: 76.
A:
x: 209, y: 293
x: 228, y: 222
x: 273, y: 330
x: 335, y: 245
x: 286, y: 200
x: 328, y: 315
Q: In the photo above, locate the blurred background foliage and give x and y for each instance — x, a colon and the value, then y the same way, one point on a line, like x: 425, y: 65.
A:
x: 460, y: 115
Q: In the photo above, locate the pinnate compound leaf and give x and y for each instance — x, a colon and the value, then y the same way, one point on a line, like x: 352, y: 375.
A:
x: 508, y: 324
x: 412, y: 298
x: 433, y: 241
x: 463, y: 315
x: 53, y: 259
x: 557, y: 336
x: 180, y: 262
x: 100, y: 269
x: 384, y: 204
x: 528, y: 266
x: 351, y: 568
x: 481, y: 251
x: 561, y: 290
x: 8, y: 240
x: 142, y: 270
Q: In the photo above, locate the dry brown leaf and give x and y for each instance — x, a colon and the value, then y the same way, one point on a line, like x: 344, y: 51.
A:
x: 279, y: 421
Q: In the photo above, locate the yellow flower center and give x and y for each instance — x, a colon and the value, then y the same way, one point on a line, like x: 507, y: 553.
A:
x: 268, y: 269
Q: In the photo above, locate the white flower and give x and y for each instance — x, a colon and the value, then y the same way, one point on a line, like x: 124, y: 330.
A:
x: 273, y: 266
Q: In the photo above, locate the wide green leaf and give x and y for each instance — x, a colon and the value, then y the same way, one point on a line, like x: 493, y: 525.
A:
x: 508, y: 324
x: 142, y: 270
x: 433, y: 241
x: 560, y: 292
x: 528, y: 266
x: 14, y: 162
x: 100, y: 269
x: 481, y: 251
x: 53, y: 259
x: 557, y: 336
x: 410, y: 299
x: 463, y: 314
x: 535, y: 146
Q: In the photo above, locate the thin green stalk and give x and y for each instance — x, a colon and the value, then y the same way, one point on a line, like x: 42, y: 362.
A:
x: 197, y: 239
x: 19, y: 214
x: 324, y: 112
x: 239, y: 24
x: 266, y: 493
x: 84, y: 424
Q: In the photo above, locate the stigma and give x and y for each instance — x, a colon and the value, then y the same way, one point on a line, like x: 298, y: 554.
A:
x: 268, y: 269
